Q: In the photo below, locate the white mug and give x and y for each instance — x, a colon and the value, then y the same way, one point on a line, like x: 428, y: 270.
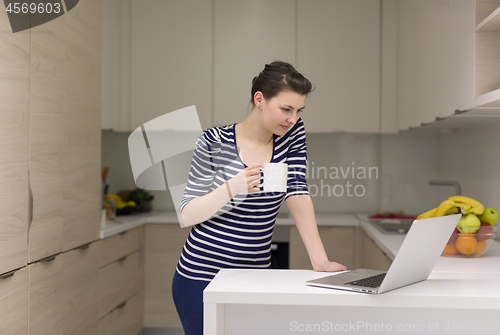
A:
x: 275, y: 177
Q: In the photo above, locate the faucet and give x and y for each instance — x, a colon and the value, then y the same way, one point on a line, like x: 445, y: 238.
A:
x: 458, y: 189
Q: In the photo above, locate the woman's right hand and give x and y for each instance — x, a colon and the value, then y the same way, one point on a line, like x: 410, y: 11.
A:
x: 246, y: 181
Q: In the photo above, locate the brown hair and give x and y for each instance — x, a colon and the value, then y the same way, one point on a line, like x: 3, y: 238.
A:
x: 279, y: 76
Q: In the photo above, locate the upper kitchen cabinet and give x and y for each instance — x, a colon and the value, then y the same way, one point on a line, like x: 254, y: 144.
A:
x: 248, y: 35
x: 157, y: 58
x: 338, y: 49
x: 14, y: 144
x: 436, y: 59
x: 487, y: 61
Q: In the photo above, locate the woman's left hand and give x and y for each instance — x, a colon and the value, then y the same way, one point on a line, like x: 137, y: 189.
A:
x: 328, y: 266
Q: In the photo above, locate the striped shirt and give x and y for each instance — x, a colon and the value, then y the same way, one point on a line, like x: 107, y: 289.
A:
x: 239, y: 234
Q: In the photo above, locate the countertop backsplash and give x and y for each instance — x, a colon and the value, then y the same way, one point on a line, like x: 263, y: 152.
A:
x: 352, y: 173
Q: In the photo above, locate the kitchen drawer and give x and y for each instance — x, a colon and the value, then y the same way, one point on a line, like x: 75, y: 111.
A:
x: 123, y: 320
x: 117, y: 246
x: 117, y: 282
x: 14, y: 303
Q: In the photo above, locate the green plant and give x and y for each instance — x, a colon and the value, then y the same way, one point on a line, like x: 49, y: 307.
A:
x: 139, y: 196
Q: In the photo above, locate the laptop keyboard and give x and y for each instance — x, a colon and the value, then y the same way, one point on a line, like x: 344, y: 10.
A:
x: 373, y: 281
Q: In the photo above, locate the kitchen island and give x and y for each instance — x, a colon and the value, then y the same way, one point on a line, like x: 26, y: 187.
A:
x: 462, y: 295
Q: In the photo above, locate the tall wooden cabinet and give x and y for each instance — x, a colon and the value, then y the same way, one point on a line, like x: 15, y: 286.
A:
x: 50, y: 194
x: 14, y: 144
x: 65, y: 135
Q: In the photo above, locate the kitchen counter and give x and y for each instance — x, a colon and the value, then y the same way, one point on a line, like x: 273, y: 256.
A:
x: 390, y: 244
x: 461, y: 295
x: 126, y: 222
x: 244, y: 301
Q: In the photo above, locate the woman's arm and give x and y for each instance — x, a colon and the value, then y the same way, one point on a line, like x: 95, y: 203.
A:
x: 203, y: 208
x: 302, y: 210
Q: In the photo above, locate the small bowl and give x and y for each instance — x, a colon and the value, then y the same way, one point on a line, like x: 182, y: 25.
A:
x: 470, y: 243
x: 125, y: 210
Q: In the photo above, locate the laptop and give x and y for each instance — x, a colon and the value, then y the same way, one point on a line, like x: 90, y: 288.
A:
x: 414, y: 261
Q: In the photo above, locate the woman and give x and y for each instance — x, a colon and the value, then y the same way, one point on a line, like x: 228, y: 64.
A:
x: 232, y: 219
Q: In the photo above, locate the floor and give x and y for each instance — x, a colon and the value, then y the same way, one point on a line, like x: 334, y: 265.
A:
x: 161, y: 331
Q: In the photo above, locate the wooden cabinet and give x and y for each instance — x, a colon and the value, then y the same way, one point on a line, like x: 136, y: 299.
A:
x: 120, y: 283
x: 338, y: 242
x: 82, y: 119
x: 65, y: 134
x: 46, y: 152
x: 14, y: 302
x: 487, y: 50
x: 163, y: 246
x: 14, y: 145
x: 336, y: 44
x: 435, y: 53
x: 338, y: 50
x: 371, y: 256
x: 124, y: 319
x: 63, y: 292
x: 247, y: 35
x: 157, y: 58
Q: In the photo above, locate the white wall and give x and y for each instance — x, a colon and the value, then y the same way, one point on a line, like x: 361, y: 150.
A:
x: 401, y: 166
x: 473, y: 158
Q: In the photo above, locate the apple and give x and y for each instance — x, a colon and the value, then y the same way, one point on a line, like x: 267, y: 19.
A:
x: 468, y: 224
x: 489, y: 215
x: 485, y: 232
x: 453, y: 236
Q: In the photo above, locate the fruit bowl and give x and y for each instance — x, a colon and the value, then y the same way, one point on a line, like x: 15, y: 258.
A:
x: 464, y: 243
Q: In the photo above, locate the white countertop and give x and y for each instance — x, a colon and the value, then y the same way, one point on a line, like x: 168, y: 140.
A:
x: 287, y: 287
x: 390, y: 244
x: 126, y: 222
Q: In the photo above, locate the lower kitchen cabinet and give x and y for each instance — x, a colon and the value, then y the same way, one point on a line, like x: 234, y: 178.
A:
x: 338, y: 242
x: 371, y: 256
x: 14, y: 302
x: 121, y: 283
x: 163, y: 246
x: 64, y: 292
x: 125, y: 319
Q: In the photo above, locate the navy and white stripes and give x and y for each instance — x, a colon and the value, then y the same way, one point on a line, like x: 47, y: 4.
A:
x: 239, y: 234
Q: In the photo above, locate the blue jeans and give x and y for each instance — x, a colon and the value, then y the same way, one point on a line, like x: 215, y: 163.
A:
x: 188, y: 300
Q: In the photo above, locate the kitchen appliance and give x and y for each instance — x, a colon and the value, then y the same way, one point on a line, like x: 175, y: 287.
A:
x: 414, y: 261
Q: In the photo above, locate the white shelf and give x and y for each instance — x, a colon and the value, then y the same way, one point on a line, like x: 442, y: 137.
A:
x: 491, y: 23
x: 476, y: 117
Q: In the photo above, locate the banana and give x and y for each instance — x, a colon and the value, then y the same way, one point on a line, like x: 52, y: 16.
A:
x: 428, y: 214
x: 463, y: 205
x: 476, y: 207
x: 446, y: 207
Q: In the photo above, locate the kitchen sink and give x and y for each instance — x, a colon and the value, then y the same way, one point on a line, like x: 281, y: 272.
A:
x: 392, y: 226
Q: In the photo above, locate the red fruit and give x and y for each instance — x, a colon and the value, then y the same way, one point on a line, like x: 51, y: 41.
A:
x: 485, y: 232
x: 453, y: 236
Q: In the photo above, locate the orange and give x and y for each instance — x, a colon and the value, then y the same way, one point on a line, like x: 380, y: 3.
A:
x: 450, y: 249
x: 466, y: 243
x: 481, y: 246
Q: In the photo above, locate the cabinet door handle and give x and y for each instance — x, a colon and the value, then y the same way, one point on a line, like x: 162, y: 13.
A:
x: 123, y: 232
x: 121, y: 305
x: 122, y: 259
x: 48, y: 259
x: 7, y: 275
x: 85, y: 246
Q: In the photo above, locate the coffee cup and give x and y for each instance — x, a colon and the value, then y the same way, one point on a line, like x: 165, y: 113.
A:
x: 275, y: 177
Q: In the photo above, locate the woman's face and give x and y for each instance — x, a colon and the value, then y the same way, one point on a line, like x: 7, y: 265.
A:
x: 282, y: 112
